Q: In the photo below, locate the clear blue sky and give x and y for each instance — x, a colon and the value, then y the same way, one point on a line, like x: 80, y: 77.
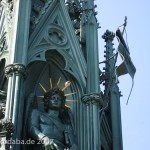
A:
x: 135, y: 115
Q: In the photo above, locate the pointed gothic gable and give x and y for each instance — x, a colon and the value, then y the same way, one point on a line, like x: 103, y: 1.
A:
x: 55, y: 31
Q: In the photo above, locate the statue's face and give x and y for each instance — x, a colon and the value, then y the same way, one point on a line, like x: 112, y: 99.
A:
x: 55, y: 102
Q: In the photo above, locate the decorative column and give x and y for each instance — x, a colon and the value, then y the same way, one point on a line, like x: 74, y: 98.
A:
x: 92, y: 97
x: 92, y: 122
x: 15, y: 101
x: 17, y: 23
x: 112, y: 94
x: 20, y: 74
x: 9, y: 72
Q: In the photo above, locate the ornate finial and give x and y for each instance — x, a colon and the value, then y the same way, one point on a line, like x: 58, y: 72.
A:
x: 108, y: 35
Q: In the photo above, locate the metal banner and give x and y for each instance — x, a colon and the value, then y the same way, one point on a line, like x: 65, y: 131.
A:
x: 127, y: 65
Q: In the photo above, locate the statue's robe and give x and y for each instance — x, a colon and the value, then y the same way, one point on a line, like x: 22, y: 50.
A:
x: 43, y: 124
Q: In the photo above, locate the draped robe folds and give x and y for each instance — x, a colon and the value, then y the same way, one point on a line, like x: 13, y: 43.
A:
x: 44, y: 124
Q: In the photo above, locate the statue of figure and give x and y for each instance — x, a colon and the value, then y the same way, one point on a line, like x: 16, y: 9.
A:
x: 52, y: 128
x: 2, y: 106
x: 6, y: 126
x: 2, y: 103
x: 1, y: 117
x: 1, y: 112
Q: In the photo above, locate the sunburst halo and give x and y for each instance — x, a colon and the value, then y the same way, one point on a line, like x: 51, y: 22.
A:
x: 67, y: 84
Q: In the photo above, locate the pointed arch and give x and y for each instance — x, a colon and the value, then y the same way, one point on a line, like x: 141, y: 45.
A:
x: 53, y: 67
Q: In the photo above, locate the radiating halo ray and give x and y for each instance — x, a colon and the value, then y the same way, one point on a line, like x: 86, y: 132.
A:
x: 42, y: 87
x: 51, y: 85
x: 70, y: 93
x: 70, y: 100
x: 58, y: 83
x: 68, y: 106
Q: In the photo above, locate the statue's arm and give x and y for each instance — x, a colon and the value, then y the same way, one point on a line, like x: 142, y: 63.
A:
x: 73, y: 145
x: 71, y: 133
x: 35, y: 133
x: 70, y: 139
x: 33, y: 125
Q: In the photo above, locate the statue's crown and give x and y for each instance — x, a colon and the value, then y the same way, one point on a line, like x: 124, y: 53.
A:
x: 55, y: 88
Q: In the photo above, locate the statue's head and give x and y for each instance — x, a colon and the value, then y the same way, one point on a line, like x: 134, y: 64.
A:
x: 54, y: 99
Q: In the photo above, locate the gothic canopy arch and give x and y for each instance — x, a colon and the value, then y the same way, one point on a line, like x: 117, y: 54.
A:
x: 54, y: 66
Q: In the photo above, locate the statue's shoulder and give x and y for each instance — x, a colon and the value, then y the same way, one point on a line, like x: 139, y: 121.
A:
x: 36, y: 112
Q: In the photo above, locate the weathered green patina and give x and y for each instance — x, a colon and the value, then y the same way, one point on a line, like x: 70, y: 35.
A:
x: 42, y: 40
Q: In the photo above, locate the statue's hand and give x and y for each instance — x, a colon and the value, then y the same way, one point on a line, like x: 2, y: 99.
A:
x: 49, y: 144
